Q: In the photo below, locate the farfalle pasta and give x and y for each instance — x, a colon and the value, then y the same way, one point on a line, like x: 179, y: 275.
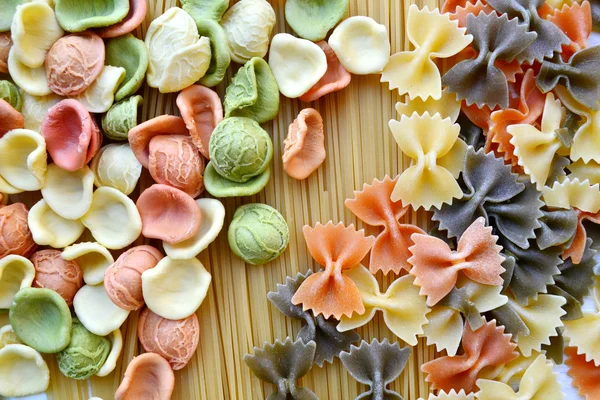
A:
x: 414, y: 72
x: 403, y: 308
x: 373, y: 206
x: 437, y: 155
x: 584, y: 335
x: 478, y: 80
x: 575, y: 20
x: 488, y: 346
x: 557, y: 228
x: 585, y: 374
x: 330, y: 343
x: 576, y: 250
x: 451, y: 395
x: 376, y: 364
x: 436, y: 267
x: 337, y: 248
x: 447, y: 106
x: 573, y: 193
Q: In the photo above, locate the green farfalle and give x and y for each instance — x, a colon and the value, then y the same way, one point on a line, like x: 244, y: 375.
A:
x: 220, y: 58
x: 121, y: 117
x: 79, y: 15
x: 130, y: 53
x: 312, y: 19
x: 205, y: 9
x: 253, y: 92
x: 9, y: 92
x: 85, y: 354
x: 218, y: 186
x: 36, y: 311
x: 7, y: 11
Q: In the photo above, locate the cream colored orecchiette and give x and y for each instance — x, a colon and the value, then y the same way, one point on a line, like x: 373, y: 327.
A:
x: 113, y: 219
x: 50, y: 229
x: 31, y: 80
x: 23, y: 371
x: 248, y: 25
x: 116, y: 166
x: 92, y: 258
x: 213, y: 216
x: 96, y: 311
x: 178, y: 56
x: 68, y: 194
x: 361, y: 44
x: 16, y: 272
x: 297, y: 64
x: 34, y: 30
x: 100, y: 95
x: 24, y: 160
x: 175, y: 289
x: 35, y: 108
x: 116, y: 345
x: 8, y: 336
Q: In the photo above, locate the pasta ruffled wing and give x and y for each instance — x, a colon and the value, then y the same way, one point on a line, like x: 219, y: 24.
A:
x: 577, y: 248
x: 478, y: 80
x: 447, y: 106
x: 585, y: 374
x: 584, y: 335
x: 470, y: 133
x: 376, y: 364
x: 538, y: 383
x: 436, y: 267
x: 579, y: 75
x: 282, y: 364
x: 573, y: 193
x: 486, y: 347
x: 436, y: 152
x: 374, y: 206
x: 557, y: 228
x: 444, y: 329
x: 535, y: 148
x: 451, y: 395
x: 461, y: 12
x: 330, y: 343
x: 403, y: 308
x: 328, y: 292
x: 433, y: 35
x: 575, y: 21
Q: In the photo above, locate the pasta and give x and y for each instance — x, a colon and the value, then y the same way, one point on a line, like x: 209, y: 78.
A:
x: 538, y: 383
x: 576, y: 250
x: 403, y: 308
x: 447, y: 106
x: 436, y: 267
x: 584, y: 335
x: 492, y: 191
x: 328, y: 292
x: 452, y: 395
x: 535, y: 148
x: 470, y: 133
x: 575, y: 21
x: 573, y: 193
x: 584, y: 373
x: 376, y: 364
x: 579, y: 75
x: 444, y: 329
x: 585, y: 170
x: 437, y: 155
x: 414, y: 72
x: 329, y: 342
x: 488, y: 346
x: 549, y: 38
x: 557, y: 228
x: 461, y: 12
x: 373, y: 206
x: 478, y: 80
x: 282, y: 364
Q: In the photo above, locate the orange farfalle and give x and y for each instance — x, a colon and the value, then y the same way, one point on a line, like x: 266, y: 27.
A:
x: 461, y: 12
x: 479, y: 116
x: 329, y: 292
x: 577, y: 248
x: 576, y: 22
x: 529, y: 109
x: 336, y: 77
x: 488, y: 346
x: 304, y: 147
x: 450, y: 6
x: 436, y: 266
x: 585, y: 374
x: 9, y: 118
x: 373, y: 206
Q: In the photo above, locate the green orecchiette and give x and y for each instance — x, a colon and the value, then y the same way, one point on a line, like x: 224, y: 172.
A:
x: 130, y: 53
x: 220, y: 58
x: 85, y: 354
x: 10, y: 93
x: 121, y: 117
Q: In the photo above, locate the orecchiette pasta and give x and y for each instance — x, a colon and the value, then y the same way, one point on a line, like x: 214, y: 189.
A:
x: 116, y: 166
x: 23, y: 163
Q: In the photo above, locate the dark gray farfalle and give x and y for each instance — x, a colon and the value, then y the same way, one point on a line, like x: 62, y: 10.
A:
x: 506, y: 316
x: 533, y: 268
x: 580, y: 75
x: 557, y: 169
x: 595, y: 14
x: 282, y: 364
x: 478, y: 80
x: 330, y: 343
x: 569, y: 128
x: 555, y: 350
x: 557, y: 228
x: 575, y: 281
x: 492, y: 191
x: 549, y: 38
x: 470, y: 133
x: 376, y: 364
x: 459, y: 300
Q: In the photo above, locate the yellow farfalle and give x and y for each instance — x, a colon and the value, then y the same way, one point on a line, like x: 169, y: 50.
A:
x: 433, y: 35
x: 447, y: 106
x: 451, y: 395
x: 403, y: 308
x: 572, y: 192
x: 586, y: 142
x: 538, y: 383
x: 512, y: 372
x: 536, y: 148
x: 437, y: 158
x: 583, y: 171
x: 584, y: 334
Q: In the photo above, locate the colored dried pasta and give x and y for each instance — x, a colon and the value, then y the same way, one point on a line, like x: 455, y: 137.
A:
x: 329, y: 342
x: 373, y: 206
x: 451, y: 395
x: 585, y: 374
x: 447, y: 106
x: 557, y: 228
x: 577, y: 248
x: 572, y: 192
x: 584, y: 335
x: 433, y: 35
x: 575, y: 20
